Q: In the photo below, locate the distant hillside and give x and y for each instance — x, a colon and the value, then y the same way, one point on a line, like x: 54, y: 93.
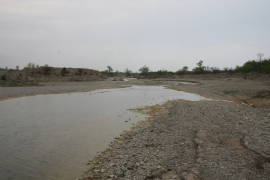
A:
x: 47, y: 73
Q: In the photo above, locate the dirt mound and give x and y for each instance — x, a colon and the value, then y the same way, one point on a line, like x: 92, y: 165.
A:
x: 46, y: 73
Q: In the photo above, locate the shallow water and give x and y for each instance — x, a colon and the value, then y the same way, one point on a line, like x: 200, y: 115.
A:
x: 53, y: 136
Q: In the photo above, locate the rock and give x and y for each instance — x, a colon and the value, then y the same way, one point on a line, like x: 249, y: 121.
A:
x: 192, y: 176
x: 170, y: 175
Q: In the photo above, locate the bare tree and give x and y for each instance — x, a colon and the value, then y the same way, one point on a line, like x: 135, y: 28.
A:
x: 109, y: 69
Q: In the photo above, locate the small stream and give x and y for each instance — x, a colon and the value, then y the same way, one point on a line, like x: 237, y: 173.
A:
x: 53, y: 136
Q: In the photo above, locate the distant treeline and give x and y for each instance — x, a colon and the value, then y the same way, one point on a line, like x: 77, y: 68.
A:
x: 248, y: 67
x: 252, y: 66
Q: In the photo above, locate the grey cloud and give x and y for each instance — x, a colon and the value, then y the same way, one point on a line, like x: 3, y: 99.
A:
x: 126, y: 33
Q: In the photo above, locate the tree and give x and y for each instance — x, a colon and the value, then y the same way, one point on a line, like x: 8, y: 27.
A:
x: 200, y: 64
x: 128, y: 72
x: 200, y: 68
x: 17, y: 68
x: 31, y: 66
x: 255, y: 66
x: 184, y: 70
x: 109, y: 69
x: 215, y: 69
x: 144, y: 70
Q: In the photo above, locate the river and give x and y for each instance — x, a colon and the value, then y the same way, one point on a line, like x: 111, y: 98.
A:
x: 53, y: 136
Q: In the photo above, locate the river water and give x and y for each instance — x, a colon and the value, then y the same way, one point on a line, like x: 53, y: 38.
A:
x: 53, y: 136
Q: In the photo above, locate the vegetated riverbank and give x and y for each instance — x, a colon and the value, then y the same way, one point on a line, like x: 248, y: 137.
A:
x: 196, y: 140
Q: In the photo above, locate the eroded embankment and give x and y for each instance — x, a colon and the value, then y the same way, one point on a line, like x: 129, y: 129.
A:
x: 191, y: 140
x: 58, y: 88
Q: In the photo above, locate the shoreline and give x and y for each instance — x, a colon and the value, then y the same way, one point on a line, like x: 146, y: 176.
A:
x: 7, y: 93
x: 62, y: 92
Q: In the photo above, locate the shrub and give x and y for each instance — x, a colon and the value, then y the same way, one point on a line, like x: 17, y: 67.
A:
x: 184, y: 70
x: 255, y: 66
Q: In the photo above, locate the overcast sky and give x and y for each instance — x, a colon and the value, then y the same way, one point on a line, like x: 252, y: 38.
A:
x: 163, y: 34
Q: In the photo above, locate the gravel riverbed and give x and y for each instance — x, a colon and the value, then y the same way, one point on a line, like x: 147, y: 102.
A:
x: 213, y: 140
x: 192, y: 140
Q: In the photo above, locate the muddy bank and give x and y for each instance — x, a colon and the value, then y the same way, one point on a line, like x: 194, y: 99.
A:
x: 194, y: 140
x: 58, y: 87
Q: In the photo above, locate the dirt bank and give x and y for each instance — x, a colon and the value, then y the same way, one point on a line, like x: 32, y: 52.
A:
x: 195, y: 140
x: 34, y: 74
x: 58, y: 87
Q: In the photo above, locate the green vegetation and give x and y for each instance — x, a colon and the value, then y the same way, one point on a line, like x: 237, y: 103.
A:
x: 262, y: 66
x: 182, y: 71
x: 255, y: 66
x: 200, y: 68
x: 109, y: 72
x: 144, y: 70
